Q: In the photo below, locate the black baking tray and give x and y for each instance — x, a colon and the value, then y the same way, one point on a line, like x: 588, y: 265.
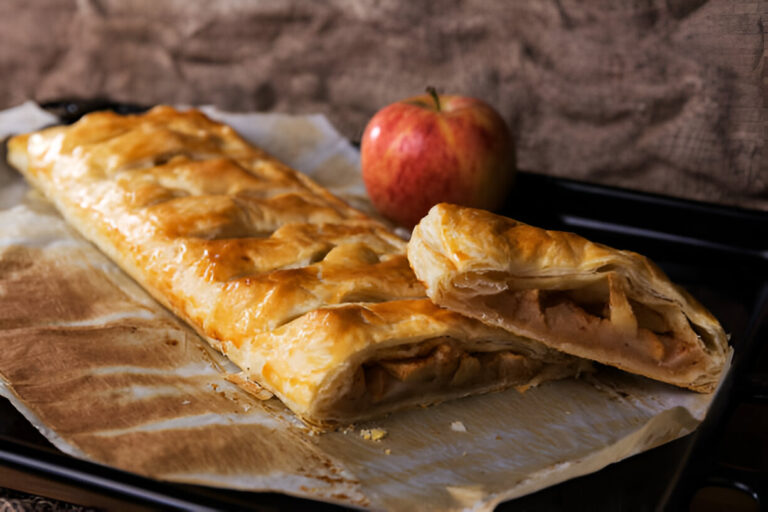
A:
x: 720, y: 254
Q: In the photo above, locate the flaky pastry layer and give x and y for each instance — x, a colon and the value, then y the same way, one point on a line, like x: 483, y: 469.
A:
x: 582, y: 298
x: 314, y: 300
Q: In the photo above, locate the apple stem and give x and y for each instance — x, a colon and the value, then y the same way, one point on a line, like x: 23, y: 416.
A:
x: 433, y: 92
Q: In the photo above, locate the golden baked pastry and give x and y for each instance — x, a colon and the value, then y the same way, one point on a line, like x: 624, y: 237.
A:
x: 580, y: 297
x: 312, y: 299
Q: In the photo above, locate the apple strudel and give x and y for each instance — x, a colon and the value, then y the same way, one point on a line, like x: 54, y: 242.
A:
x: 311, y: 298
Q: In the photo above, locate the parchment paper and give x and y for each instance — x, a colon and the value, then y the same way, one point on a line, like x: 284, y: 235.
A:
x: 108, y: 375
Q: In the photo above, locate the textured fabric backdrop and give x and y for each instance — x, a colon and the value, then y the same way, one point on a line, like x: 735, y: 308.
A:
x: 662, y: 95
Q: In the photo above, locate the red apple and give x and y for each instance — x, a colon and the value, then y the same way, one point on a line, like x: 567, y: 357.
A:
x: 436, y: 148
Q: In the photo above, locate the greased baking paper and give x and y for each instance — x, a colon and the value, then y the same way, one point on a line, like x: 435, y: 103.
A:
x: 108, y: 375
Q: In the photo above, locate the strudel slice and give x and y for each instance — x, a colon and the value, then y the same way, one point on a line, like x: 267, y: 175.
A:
x: 582, y: 298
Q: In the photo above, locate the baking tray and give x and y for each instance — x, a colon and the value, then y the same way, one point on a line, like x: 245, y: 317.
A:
x: 718, y: 253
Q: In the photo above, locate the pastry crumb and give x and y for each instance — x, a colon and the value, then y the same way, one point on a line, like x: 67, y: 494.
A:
x: 373, y: 434
x: 243, y: 382
x: 458, y: 426
x: 387, y: 452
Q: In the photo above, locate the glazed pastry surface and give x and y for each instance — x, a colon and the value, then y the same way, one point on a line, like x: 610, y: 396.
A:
x: 583, y: 298
x: 312, y: 299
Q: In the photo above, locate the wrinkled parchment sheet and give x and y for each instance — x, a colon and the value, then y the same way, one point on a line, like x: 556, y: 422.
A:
x: 108, y: 375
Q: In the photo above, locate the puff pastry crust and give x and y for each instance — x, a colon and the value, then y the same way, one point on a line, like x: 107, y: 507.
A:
x: 312, y: 299
x: 586, y: 299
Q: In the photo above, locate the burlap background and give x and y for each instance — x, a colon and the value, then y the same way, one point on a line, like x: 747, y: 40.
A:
x: 662, y: 95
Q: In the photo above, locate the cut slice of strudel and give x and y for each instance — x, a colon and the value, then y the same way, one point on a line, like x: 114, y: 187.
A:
x: 580, y: 297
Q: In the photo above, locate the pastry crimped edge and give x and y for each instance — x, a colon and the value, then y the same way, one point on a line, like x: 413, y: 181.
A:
x: 455, y: 249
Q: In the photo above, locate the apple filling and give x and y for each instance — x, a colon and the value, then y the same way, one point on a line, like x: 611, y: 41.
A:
x: 437, y: 370
x: 595, y: 317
